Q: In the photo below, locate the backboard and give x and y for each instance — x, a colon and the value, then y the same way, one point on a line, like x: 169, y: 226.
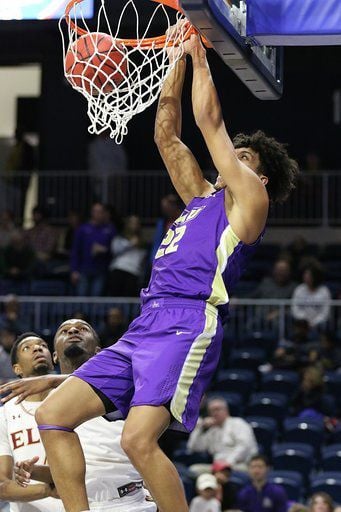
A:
x: 223, y: 23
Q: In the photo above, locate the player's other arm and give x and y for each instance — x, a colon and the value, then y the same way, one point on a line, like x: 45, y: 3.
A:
x: 181, y: 165
x: 11, y: 491
x: 247, y: 191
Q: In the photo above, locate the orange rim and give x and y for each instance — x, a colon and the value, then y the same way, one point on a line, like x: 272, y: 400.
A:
x: 155, y: 42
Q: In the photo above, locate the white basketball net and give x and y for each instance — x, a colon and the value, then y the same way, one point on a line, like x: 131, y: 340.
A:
x: 111, y: 106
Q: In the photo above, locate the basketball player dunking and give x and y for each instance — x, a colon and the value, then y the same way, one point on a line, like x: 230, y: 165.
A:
x: 157, y: 372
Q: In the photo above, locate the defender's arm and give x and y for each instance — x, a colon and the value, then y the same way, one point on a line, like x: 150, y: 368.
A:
x: 182, y: 167
x: 11, y: 491
x: 248, y: 193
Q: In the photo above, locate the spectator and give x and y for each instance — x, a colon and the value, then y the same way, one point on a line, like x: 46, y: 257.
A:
x: 308, y: 401
x: 7, y: 227
x: 126, y: 267
x: 280, y: 285
x: 7, y: 339
x: 90, y: 253
x: 319, y: 502
x: 207, y: 487
x: 226, y: 438
x: 260, y: 495
x: 21, y: 156
x: 114, y: 327
x: 293, y: 353
x: 11, y: 317
x: 42, y: 237
x: 171, y: 208
x: 298, y: 251
x: 19, y: 258
x: 74, y: 221
x: 326, y: 354
x: 227, y: 491
x: 311, y: 298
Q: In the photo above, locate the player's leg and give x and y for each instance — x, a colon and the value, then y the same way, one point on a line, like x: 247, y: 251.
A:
x: 70, y: 405
x: 143, y: 427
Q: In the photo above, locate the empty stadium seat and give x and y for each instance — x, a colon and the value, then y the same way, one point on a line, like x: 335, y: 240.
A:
x: 183, y: 456
x: 236, y: 381
x: 292, y: 482
x: 333, y: 384
x: 329, y: 482
x: 298, y: 456
x: 280, y: 381
x: 188, y: 481
x: 265, y: 430
x: 248, y: 359
x: 331, y: 458
x: 298, y: 430
x: 335, y: 436
x: 271, y: 405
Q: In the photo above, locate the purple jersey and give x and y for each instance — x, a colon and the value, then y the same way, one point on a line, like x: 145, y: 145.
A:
x: 200, y: 257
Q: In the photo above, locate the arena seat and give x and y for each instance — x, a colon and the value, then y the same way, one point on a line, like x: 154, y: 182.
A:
x: 331, y: 458
x: 335, y: 436
x: 248, y: 359
x: 329, y: 482
x: 280, y: 381
x: 183, y: 456
x: 236, y: 380
x: 265, y: 430
x: 292, y: 482
x: 300, y: 456
x: 333, y: 384
x: 187, y: 479
x: 271, y: 405
x: 298, y: 430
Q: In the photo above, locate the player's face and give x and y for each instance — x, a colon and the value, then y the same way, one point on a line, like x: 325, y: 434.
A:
x: 246, y: 155
x: 75, y: 333
x: 34, y: 358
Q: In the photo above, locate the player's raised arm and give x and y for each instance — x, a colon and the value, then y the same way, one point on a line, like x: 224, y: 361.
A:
x: 182, y: 166
x: 245, y: 187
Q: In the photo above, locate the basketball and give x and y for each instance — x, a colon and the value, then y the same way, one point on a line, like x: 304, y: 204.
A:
x: 96, y: 63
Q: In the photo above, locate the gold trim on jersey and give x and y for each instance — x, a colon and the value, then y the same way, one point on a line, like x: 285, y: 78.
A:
x: 193, y: 361
x: 227, y: 244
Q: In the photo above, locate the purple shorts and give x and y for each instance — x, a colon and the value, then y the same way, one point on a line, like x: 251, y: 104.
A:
x: 167, y: 357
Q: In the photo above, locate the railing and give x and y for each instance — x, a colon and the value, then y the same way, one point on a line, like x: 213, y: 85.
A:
x: 248, y: 319
x: 315, y: 202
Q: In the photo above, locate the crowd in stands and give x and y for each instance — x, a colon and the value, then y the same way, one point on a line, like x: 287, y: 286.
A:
x: 274, y: 407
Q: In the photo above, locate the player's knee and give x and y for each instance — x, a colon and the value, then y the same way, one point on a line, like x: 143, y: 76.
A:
x: 135, y: 445
x: 45, y: 414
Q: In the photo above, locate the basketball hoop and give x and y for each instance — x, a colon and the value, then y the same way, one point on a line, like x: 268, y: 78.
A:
x: 120, y: 77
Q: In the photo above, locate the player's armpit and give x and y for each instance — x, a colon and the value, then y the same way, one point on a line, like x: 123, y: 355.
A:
x: 183, y: 169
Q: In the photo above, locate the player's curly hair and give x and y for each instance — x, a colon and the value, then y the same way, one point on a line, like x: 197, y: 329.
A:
x: 281, y: 170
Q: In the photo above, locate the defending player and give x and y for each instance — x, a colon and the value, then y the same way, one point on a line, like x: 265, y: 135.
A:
x: 112, y: 483
x: 156, y: 374
x: 19, y: 435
